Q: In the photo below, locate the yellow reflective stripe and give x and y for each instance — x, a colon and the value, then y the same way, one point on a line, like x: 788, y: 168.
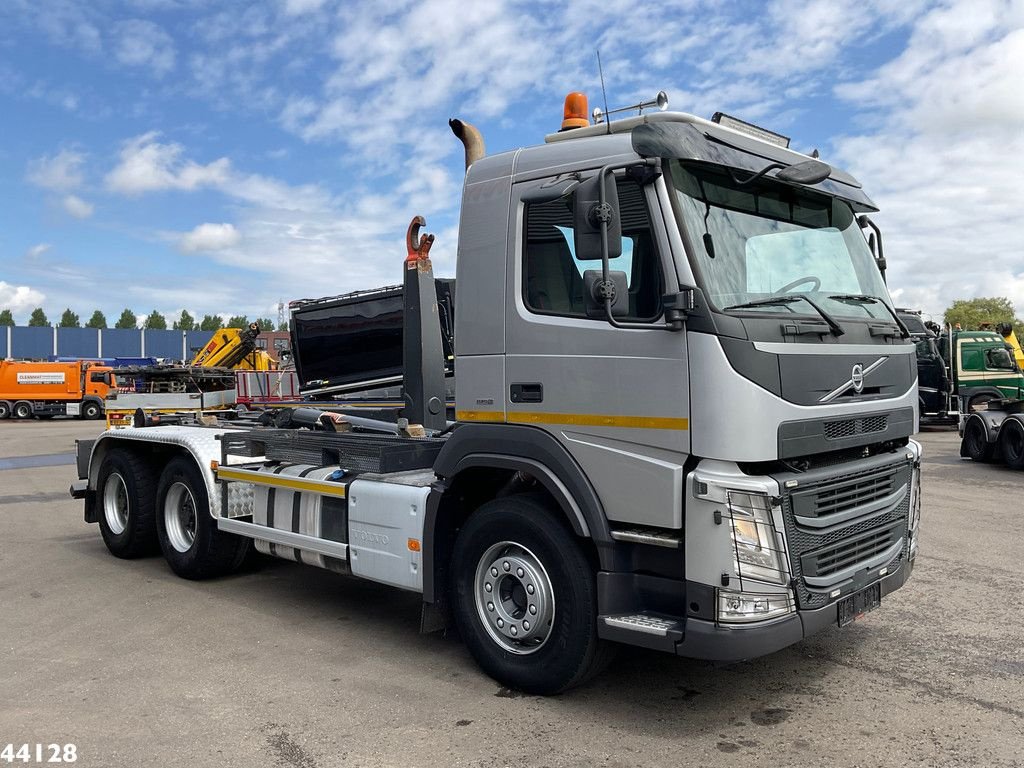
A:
x: 322, y: 487
x: 480, y: 416
x: 577, y: 419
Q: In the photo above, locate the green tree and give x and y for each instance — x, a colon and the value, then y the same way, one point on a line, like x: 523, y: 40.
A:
x: 972, y: 313
x: 185, y: 322
x: 38, y: 319
x: 127, y: 320
x: 283, y: 326
x: 237, y: 321
x: 69, y: 320
x: 211, y: 323
x: 6, y: 318
x: 98, y: 320
x: 265, y: 324
x: 155, y: 322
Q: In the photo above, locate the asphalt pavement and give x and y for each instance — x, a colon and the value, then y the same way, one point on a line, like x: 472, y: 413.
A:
x: 286, y: 665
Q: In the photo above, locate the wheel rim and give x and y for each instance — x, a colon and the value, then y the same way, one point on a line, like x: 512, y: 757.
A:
x: 180, y: 517
x: 115, y: 503
x: 514, y: 598
x: 22, y: 412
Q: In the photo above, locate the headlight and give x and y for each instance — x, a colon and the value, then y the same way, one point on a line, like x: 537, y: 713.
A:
x: 740, y: 607
x: 756, y: 546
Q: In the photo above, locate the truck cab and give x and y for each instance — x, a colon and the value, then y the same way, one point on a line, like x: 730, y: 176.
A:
x: 983, y: 368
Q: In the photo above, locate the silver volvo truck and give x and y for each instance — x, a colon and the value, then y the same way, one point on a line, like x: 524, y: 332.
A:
x: 683, y: 416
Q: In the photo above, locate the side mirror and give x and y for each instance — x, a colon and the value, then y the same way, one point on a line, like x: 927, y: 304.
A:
x: 596, y: 291
x: 588, y: 214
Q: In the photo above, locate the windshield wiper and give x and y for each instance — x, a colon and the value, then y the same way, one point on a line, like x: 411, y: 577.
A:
x: 767, y: 302
x: 834, y: 326
x: 862, y: 298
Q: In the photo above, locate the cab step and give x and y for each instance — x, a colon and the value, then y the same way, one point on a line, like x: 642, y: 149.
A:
x: 647, y: 628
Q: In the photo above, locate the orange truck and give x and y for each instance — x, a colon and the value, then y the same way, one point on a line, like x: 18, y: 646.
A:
x: 53, y: 389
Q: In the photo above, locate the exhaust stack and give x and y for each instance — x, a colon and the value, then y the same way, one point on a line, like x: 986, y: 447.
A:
x: 470, y: 138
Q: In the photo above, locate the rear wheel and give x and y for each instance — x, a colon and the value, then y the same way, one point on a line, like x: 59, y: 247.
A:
x: 975, y: 442
x: 91, y: 410
x: 1011, y: 443
x: 525, y: 597
x: 5, y: 409
x: 188, y: 534
x: 22, y: 409
x: 127, y: 486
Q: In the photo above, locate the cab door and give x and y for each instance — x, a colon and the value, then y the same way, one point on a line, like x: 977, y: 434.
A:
x: 617, y: 399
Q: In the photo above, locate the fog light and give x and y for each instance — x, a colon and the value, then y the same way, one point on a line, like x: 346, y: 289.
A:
x: 740, y: 607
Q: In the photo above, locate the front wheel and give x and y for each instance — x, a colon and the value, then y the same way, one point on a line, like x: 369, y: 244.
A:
x: 91, y: 410
x: 525, y: 597
x: 189, y: 538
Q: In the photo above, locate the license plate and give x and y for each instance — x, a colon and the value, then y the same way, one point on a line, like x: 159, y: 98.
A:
x: 856, y: 605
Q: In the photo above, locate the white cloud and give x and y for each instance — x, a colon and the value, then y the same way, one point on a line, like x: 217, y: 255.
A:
x: 943, y: 162
x: 141, y: 43
x: 147, y: 165
x: 209, y: 237
x: 37, y: 250
x: 78, y: 207
x: 296, y: 7
x: 61, y: 172
x: 19, y: 298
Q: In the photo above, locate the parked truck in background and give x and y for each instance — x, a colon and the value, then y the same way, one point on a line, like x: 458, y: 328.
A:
x: 684, y: 409
x: 960, y: 371
x: 53, y: 389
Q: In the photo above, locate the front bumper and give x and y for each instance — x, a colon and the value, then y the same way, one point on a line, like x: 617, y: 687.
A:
x: 707, y: 640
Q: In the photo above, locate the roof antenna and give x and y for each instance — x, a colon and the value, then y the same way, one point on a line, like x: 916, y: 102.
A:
x: 604, y: 93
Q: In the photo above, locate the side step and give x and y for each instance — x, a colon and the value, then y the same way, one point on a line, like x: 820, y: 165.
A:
x: 647, y: 629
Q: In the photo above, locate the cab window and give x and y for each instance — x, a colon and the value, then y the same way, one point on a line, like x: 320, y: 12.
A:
x: 553, y: 276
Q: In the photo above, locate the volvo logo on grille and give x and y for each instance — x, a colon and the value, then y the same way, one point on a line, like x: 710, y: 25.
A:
x: 857, y: 378
x: 858, y: 375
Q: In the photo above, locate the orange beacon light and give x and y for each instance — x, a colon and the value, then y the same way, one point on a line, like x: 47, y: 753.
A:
x: 575, y: 113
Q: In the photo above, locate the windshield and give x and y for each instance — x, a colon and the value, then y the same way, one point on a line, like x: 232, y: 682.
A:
x: 768, y: 239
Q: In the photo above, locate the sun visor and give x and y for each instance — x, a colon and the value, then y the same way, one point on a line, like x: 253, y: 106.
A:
x: 717, y: 146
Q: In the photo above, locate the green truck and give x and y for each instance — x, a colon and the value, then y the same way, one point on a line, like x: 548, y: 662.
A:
x: 982, y: 369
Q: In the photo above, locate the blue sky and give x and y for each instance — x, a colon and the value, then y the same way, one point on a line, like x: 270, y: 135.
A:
x: 220, y: 157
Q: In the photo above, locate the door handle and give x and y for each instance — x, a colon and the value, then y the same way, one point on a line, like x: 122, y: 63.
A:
x: 532, y: 392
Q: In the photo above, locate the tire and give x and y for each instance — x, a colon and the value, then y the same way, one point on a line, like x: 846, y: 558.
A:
x: 975, y: 445
x: 188, y: 534
x: 22, y: 410
x: 5, y: 410
x: 91, y: 410
x: 1011, y: 443
x: 127, y: 489
x: 509, y: 547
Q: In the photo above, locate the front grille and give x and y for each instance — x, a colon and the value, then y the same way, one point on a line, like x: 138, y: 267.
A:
x: 843, y: 554
x: 848, y: 493
x: 823, y: 551
x: 866, y: 425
